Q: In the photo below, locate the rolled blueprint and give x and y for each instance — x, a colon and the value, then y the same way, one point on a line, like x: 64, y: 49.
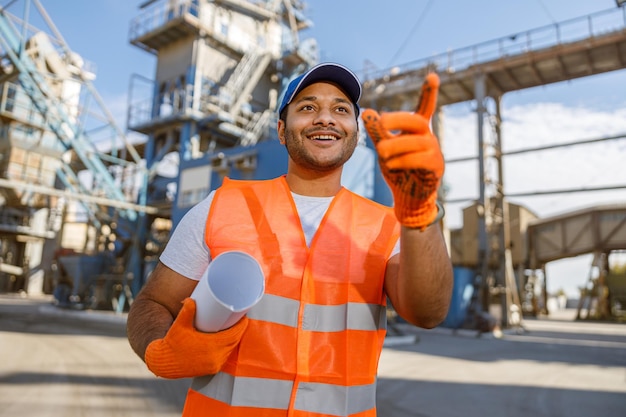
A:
x: 232, y: 284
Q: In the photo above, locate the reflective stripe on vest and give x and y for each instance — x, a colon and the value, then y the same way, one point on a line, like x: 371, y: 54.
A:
x: 271, y: 393
x: 313, y: 341
x: 246, y: 392
x: 320, y: 318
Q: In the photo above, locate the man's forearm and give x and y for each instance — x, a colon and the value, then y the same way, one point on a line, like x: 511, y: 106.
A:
x: 425, y: 279
x: 147, y: 321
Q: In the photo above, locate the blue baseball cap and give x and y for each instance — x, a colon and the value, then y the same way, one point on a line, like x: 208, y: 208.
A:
x: 331, y: 72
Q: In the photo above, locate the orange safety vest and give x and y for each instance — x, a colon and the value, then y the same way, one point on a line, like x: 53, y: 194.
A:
x: 313, y: 342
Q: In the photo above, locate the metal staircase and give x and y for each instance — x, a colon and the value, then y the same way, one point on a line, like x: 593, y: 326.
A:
x: 245, y: 77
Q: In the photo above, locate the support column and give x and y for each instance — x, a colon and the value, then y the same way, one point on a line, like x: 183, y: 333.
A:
x: 483, y: 250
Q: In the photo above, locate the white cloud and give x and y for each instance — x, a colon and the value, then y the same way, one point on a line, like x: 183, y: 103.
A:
x: 544, y: 124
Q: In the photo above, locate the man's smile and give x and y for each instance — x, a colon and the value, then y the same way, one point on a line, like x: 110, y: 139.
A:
x: 323, y: 137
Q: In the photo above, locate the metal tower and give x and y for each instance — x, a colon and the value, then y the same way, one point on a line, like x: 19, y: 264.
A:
x: 209, y: 108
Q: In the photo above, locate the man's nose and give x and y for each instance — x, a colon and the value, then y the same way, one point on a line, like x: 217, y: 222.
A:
x: 324, y: 117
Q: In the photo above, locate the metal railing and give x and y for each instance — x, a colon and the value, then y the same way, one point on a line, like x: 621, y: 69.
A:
x: 597, y: 24
x: 159, y: 14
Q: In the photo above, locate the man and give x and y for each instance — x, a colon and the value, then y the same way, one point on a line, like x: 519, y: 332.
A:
x: 330, y: 257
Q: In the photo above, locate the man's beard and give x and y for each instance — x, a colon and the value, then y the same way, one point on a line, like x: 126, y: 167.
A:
x: 302, y: 157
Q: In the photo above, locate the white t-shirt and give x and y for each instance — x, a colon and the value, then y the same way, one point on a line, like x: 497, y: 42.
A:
x: 188, y: 254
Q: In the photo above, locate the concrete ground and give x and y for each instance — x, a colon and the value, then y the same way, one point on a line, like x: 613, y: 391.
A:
x: 57, y: 362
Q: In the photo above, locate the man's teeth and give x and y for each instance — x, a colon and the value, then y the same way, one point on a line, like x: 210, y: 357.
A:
x: 324, y: 137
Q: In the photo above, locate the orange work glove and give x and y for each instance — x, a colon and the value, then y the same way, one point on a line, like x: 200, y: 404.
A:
x: 410, y: 157
x: 185, y: 352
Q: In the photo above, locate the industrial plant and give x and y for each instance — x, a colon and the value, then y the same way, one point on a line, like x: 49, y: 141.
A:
x: 87, y: 206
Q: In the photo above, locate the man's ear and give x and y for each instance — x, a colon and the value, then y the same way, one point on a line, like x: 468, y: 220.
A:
x: 281, y: 131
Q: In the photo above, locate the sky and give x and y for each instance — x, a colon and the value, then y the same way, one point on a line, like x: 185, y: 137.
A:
x: 360, y: 33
